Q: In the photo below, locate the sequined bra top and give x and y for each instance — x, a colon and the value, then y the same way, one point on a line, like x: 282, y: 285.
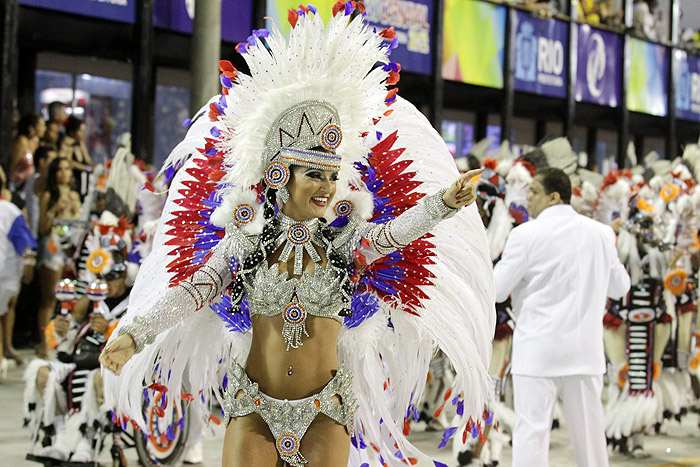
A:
x: 271, y: 293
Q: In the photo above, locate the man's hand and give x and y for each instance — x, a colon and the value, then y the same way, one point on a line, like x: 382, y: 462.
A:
x: 462, y: 191
x: 98, y: 323
x: 117, y: 353
x: 61, y: 325
x: 617, y: 225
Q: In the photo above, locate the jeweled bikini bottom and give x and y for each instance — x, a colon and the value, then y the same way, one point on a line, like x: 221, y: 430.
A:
x: 289, y: 420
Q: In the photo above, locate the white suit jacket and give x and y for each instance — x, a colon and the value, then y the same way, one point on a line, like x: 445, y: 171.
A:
x: 559, y: 268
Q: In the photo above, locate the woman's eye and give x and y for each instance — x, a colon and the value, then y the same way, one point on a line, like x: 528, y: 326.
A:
x: 313, y: 175
x: 334, y: 178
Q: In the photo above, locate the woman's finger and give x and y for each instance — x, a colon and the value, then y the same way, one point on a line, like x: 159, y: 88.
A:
x: 472, y: 173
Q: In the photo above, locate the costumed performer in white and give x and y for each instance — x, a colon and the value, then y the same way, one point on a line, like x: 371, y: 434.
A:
x: 316, y: 241
x: 559, y: 268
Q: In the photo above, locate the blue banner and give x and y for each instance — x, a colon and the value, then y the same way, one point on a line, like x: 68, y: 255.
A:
x: 115, y: 10
x: 686, y: 69
x: 176, y: 15
x: 541, y: 48
x: 599, y: 66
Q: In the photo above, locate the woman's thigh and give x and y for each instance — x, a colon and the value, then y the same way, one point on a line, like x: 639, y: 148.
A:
x: 326, y: 443
x: 249, y: 443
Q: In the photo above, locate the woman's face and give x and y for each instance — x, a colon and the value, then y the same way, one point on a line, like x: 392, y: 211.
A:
x: 64, y: 173
x: 53, y: 130
x: 80, y: 134
x: 310, y: 192
x: 40, y: 128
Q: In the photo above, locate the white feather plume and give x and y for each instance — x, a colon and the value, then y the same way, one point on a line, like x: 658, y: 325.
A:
x: 282, y: 75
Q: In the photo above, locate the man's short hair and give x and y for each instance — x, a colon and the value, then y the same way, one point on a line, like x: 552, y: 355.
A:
x: 55, y: 107
x: 555, y: 180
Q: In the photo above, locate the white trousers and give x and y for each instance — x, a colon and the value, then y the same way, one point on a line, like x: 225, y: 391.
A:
x: 535, y: 398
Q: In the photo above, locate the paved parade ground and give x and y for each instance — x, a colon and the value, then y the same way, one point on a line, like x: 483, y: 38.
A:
x: 680, y: 447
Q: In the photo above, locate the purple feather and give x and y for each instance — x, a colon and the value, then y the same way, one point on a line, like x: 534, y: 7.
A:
x: 215, y: 132
x: 349, y: 8
x: 312, y: 8
x: 391, y: 66
x: 363, y: 306
x: 446, y: 436
x: 261, y: 32
x: 339, y: 222
x: 475, y: 431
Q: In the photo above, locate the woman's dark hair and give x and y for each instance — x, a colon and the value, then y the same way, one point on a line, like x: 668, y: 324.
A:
x: 555, y: 180
x: 42, y: 152
x: 51, y: 185
x: 73, y: 125
x: 27, y: 123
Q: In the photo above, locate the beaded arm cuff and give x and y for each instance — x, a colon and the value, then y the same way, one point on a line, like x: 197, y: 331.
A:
x: 409, y: 226
x: 188, y: 296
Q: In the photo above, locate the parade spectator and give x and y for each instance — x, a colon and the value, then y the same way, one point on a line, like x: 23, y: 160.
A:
x: 79, y: 158
x: 58, y: 114
x: 643, y: 19
x: 559, y: 267
x: 58, y: 203
x: 30, y: 129
x: 17, y: 257
x: 35, y: 185
x: 53, y: 132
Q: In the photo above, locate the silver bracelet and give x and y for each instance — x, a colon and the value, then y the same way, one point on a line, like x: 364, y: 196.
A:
x: 436, y: 208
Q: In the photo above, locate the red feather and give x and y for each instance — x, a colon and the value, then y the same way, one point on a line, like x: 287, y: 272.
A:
x: 399, y: 186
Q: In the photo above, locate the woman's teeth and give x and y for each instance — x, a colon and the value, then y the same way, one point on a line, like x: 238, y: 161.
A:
x: 320, y: 200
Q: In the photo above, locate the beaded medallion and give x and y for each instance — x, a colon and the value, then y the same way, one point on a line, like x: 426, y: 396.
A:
x: 299, y: 238
x: 294, y: 324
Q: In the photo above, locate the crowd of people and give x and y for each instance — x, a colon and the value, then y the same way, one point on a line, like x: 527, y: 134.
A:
x: 76, y: 232
x: 48, y: 177
x: 648, y: 18
x: 645, y: 343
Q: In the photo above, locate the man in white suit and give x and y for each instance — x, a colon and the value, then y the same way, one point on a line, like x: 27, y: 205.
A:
x: 559, y: 269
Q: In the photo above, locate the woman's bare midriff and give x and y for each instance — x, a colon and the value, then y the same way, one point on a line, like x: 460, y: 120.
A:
x: 313, y: 364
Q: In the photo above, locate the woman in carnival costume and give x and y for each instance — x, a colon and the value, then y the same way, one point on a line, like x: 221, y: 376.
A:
x: 303, y: 215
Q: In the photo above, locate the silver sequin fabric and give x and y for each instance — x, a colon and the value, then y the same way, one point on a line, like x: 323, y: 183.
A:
x: 270, y: 292
x: 288, y: 422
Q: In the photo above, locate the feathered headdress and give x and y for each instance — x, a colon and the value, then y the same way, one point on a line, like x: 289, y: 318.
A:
x: 309, y: 100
